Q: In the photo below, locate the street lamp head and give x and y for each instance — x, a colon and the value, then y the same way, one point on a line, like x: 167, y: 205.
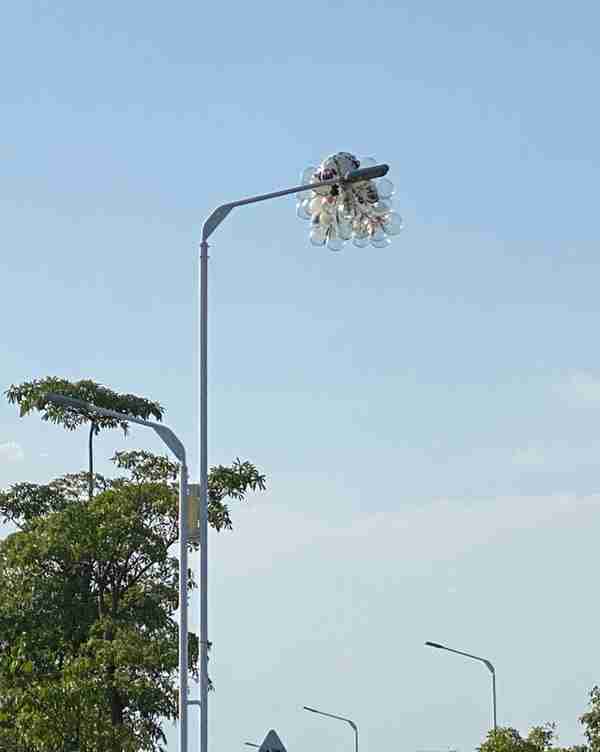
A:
x: 367, y: 173
x: 311, y: 710
x: 435, y: 645
x: 348, y: 199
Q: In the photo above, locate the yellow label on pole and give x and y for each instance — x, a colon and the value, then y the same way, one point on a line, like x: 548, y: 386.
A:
x: 193, y: 511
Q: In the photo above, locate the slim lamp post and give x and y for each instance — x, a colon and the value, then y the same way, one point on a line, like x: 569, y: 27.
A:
x: 351, y: 723
x: 485, y: 661
x: 209, y: 226
x: 175, y: 445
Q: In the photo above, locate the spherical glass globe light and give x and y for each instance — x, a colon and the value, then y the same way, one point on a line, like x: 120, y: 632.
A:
x: 307, y: 175
x: 335, y: 243
x: 394, y: 224
x: 360, y: 211
x: 385, y: 188
x: 344, y: 230
x: 326, y: 218
x: 381, y: 243
x: 318, y: 235
x: 377, y: 233
x: 383, y: 206
x: 360, y: 234
x: 303, y: 209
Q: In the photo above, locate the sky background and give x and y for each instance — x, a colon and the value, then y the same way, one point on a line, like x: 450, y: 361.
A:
x: 427, y: 415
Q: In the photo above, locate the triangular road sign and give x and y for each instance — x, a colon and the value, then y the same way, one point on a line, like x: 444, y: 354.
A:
x: 272, y: 743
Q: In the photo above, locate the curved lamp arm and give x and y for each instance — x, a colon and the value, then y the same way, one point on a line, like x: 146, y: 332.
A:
x: 165, y: 433
x: 349, y: 721
x: 487, y: 663
x: 354, y: 176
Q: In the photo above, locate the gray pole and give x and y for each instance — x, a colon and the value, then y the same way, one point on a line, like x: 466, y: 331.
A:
x: 183, y: 610
x: 494, y: 696
x: 203, y: 497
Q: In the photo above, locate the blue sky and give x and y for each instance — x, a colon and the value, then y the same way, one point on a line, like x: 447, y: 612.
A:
x: 427, y: 415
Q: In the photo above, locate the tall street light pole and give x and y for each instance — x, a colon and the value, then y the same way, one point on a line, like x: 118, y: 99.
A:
x: 175, y: 445
x: 210, y: 225
x: 485, y: 661
x: 338, y: 718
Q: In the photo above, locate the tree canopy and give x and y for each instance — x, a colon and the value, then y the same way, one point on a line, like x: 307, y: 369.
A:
x: 32, y: 396
x: 88, y: 594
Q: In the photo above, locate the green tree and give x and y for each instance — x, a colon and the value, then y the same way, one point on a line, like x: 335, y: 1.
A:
x: 591, y: 721
x: 507, y: 740
x: 88, y: 591
x: 539, y: 739
x: 542, y: 737
x: 31, y: 396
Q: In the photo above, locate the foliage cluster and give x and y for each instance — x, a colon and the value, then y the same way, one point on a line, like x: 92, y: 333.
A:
x: 89, y: 591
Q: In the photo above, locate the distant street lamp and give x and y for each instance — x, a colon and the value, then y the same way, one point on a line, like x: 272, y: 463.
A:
x: 175, y: 445
x: 339, y: 718
x: 252, y: 744
x: 485, y: 661
x: 343, y: 202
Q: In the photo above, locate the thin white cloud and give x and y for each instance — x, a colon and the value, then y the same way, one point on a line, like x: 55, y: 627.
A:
x: 10, y: 451
x: 530, y: 456
x: 582, y: 387
x: 557, y: 456
x: 441, y: 530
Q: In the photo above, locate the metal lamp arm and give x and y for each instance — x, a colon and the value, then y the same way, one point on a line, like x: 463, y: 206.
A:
x: 349, y: 721
x: 485, y: 661
x: 165, y: 433
x: 461, y: 652
x: 221, y: 212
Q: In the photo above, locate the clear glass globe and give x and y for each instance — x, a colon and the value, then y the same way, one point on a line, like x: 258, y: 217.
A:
x: 307, y: 175
x: 367, y: 162
x: 318, y: 235
x: 335, y: 243
x: 360, y: 242
x: 303, y: 209
x: 346, y: 209
x: 382, y: 206
x: 394, y: 224
x: 316, y: 204
x: 344, y: 230
x: 381, y: 243
x: 326, y: 217
x: 377, y: 234
x: 385, y: 188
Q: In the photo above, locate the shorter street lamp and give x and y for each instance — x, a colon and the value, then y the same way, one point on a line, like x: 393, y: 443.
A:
x: 175, y: 445
x: 339, y: 718
x: 485, y: 661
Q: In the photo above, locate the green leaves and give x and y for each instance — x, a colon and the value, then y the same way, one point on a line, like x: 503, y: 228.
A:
x: 89, y: 587
x: 539, y: 739
x: 88, y: 594
x: 31, y: 396
x: 230, y: 482
x: 591, y: 720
